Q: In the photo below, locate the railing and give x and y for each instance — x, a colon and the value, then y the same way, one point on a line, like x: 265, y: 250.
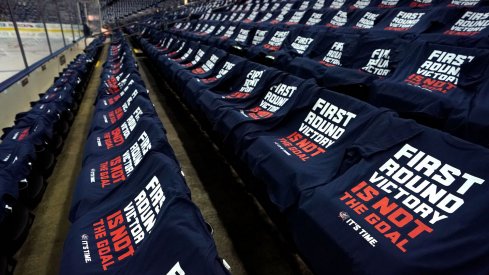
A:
x: 34, y: 31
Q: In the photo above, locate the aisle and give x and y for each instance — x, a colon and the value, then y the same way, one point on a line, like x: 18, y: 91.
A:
x: 42, y: 250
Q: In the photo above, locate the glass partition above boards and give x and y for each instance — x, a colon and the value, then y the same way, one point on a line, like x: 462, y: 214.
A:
x: 33, y: 30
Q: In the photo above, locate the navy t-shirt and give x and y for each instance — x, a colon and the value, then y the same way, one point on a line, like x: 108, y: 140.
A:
x: 177, y: 48
x: 295, y: 17
x: 413, y: 208
x: 253, y: 16
x: 465, y: 3
x: 272, y: 42
x: 104, y: 141
x: 299, y: 44
x: 267, y: 15
x: 460, y: 26
x: 315, y: 17
x: 68, y: 77
x: 124, y: 62
x: 403, y: 20
x: 424, y: 3
x: 120, y: 62
x: 105, y: 118
x: 114, y: 83
x: 206, y: 65
x: 127, y: 232
x: 187, y: 55
x: 194, y: 86
x: 218, y: 72
x: 49, y: 112
x: 209, y: 28
x: 237, y: 88
x: 476, y: 126
x: 161, y: 47
x: 185, y: 47
x: 243, y: 38
x: 435, y: 84
x: 330, y: 49
x: 14, y: 167
x: 201, y: 54
x: 216, y: 34
x: 358, y: 4
x: 309, y: 143
x: 262, y: 111
x: 374, y: 58
x: 62, y: 96
x: 36, y: 130
x: 114, y: 79
x: 189, y: 248
x: 283, y: 13
x: 388, y: 4
x: 222, y: 36
x: 239, y: 35
x: 337, y: 18
x: 119, y: 68
x: 202, y: 69
x: 52, y: 111
x: 363, y: 20
x: 259, y: 35
x: 131, y: 89
x: 101, y: 174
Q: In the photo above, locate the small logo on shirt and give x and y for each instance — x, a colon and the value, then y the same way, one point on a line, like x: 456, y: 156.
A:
x: 86, y: 248
x: 343, y: 216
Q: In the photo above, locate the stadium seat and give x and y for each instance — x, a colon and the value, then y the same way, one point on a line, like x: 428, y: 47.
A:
x: 369, y: 218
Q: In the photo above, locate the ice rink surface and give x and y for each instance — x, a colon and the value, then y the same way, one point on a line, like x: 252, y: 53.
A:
x: 35, y: 47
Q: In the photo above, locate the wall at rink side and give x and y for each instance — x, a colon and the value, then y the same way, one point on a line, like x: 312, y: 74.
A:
x: 16, y: 98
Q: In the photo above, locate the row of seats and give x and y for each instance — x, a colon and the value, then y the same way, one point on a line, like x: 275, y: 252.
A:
x: 357, y: 4
x: 363, y: 190
x: 468, y: 22
x: 119, y: 9
x: 131, y: 210
x: 31, y: 11
x: 264, y: 10
x: 29, y: 148
x: 423, y: 72
x: 173, y: 11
